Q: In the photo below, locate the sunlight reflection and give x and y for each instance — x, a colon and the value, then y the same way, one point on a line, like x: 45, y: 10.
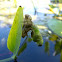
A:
x: 61, y: 32
x: 10, y: 11
x: 3, y: 25
x: 3, y: 42
x: 41, y: 27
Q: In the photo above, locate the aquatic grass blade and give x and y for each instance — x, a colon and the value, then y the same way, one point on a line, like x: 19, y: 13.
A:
x: 15, y: 34
x: 22, y: 48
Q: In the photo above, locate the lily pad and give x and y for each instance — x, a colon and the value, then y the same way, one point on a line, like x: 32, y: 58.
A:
x: 56, y: 26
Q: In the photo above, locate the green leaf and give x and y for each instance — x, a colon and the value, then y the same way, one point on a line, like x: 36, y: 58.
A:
x: 15, y: 34
x: 60, y: 1
x: 46, y: 47
x: 53, y: 37
x: 22, y: 48
x: 15, y: 2
x: 57, y: 48
x: 37, y: 35
x: 61, y: 56
x: 56, y: 26
x: 52, y: 6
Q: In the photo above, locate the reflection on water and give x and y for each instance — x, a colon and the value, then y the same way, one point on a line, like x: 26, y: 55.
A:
x: 4, y: 52
x: 3, y: 42
x: 47, y: 47
x: 33, y: 52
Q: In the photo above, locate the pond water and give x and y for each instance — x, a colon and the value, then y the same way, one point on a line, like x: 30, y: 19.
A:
x: 32, y: 53
x: 50, y: 51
